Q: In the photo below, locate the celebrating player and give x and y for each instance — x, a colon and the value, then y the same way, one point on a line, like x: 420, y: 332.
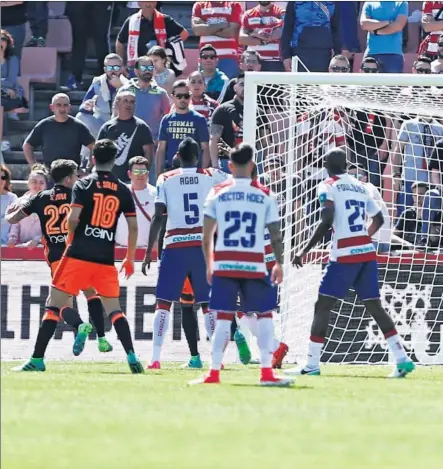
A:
x: 240, y: 209
x: 97, y: 203
x: 181, y: 194
x: 352, y: 262
x: 52, y: 208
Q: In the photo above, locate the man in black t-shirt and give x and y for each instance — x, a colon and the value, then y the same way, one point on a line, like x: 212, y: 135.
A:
x: 131, y: 135
x: 97, y: 203
x: 59, y: 136
x: 227, y: 127
x: 145, y: 29
x: 52, y: 208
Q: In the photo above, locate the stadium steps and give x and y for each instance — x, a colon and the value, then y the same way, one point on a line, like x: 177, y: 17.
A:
x: 16, y: 162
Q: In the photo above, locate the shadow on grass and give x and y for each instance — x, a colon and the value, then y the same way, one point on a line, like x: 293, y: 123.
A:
x: 296, y: 387
x: 355, y: 376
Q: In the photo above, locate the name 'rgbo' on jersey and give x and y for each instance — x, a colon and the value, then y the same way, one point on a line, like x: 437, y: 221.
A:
x: 352, y: 202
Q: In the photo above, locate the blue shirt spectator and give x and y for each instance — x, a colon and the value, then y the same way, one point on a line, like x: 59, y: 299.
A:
x: 180, y: 123
x: 384, y: 22
x: 349, y: 12
x: 311, y: 30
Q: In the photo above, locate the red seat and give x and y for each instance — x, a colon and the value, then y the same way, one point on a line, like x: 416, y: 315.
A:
x: 358, y: 58
x: 409, y: 60
x: 414, y: 30
x: 39, y: 64
x: 192, y: 56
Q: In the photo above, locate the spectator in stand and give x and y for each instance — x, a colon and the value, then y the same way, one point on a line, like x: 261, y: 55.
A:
x: 163, y: 75
x: 311, y: 31
x: 87, y: 18
x: 148, y: 28
x: 96, y: 108
x: 349, y: 12
x: 144, y: 198
x: 251, y: 61
x: 38, y: 14
x: 339, y: 64
x: 384, y: 22
x: 151, y: 101
x: 432, y: 24
x: 200, y: 101
x: 411, y: 155
x: 182, y: 122
x: 437, y: 63
x: 409, y: 224
x: 227, y: 128
x: 59, y: 136
x: 12, y: 94
x: 218, y: 24
x: 28, y: 231
x: 261, y: 31
x: 370, y: 134
x: 13, y: 19
x: 132, y: 135
x: 215, y: 80
x: 7, y: 198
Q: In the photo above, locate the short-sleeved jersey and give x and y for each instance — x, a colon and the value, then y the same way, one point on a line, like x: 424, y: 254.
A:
x: 352, y: 201
x: 242, y: 209
x: 183, y: 191
x: 103, y: 198
x: 52, y: 208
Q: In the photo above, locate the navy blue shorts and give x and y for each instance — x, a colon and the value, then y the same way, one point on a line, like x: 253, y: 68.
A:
x: 339, y: 278
x: 176, y: 264
x: 257, y: 295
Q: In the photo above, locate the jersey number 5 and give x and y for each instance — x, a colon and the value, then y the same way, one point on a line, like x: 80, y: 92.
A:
x: 358, y: 216
x: 105, y: 211
x: 55, y: 213
x: 190, y: 207
x: 249, y: 219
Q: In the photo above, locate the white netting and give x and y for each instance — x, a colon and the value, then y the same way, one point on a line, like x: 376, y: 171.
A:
x: 390, y: 133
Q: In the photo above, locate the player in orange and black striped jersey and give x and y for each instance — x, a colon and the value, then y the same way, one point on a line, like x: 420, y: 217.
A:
x: 52, y: 208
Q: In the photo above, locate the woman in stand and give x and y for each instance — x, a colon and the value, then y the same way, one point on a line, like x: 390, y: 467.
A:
x: 7, y: 198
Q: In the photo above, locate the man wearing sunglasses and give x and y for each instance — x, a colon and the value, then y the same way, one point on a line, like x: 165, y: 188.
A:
x: 182, y: 122
x: 216, y: 81
x: 339, y: 64
x: 369, y: 65
x: 144, y: 196
x: 96, y: 107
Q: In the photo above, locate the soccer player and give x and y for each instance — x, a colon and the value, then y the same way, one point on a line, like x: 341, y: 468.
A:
x: 52, y: 208
x: 88, y: 262
x: 345, y: 202
x: 240, y: 209
x: 181, y: 194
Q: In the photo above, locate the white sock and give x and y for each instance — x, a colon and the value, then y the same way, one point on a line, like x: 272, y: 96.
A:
x: 220, y: 338
x: 161, y: 323
x: 210, y: 318
x: 252, y: 324
x: 265, y: 341
x: 314, y: 354
x: 396, y: 348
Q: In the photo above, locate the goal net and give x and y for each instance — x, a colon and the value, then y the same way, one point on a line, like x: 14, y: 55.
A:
x: 389, y: 126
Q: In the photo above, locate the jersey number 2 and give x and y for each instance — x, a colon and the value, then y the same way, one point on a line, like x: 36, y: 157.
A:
x: 55, y: 213
x: 249, y: 219
x: 191, y: 219
x: 105, y: 211
x: 357, y: 218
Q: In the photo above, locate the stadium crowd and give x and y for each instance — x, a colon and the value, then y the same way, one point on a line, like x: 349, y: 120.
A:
x: 146, y: 98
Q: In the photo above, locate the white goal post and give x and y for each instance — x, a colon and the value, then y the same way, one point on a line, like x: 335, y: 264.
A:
x: 389, y: 126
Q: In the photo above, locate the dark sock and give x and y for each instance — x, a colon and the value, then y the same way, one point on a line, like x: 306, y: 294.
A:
x: 46, y: 332
x: 121, y: 326
x: 233, y: 328
x: 190, y: 326
x: 71, y: 317
x: 95, y: 309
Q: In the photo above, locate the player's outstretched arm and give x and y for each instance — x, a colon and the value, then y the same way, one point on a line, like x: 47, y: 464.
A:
x: 14, y: 214
x: 156, y: 225
x: 377, y: 222
x: 327, y: 218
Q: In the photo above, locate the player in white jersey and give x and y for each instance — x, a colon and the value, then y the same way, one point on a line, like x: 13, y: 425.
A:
x: 181, y: 193
x: 240, y: 209
x: 345, y: 201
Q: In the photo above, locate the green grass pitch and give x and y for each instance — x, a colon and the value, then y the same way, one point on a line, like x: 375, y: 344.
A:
x: 99, y: 416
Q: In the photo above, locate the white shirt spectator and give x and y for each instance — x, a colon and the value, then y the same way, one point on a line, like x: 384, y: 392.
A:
x: 145, y: 208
